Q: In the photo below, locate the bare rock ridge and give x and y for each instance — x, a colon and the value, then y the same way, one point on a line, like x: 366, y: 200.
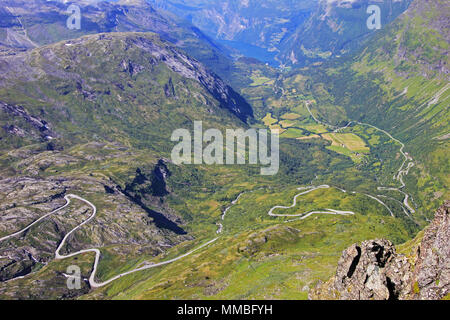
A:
x: 432, y: 267
x: 374, y: 270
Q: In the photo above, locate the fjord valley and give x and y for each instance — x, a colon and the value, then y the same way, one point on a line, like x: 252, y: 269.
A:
x: 87, y: 178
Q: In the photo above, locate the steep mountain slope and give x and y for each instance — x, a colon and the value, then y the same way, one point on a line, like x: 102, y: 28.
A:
x: 336, y: 27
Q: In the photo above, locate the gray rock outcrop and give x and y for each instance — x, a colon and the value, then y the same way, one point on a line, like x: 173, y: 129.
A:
x: 373, y: 270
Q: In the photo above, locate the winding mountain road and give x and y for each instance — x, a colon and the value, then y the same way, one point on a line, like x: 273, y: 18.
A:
x: 35, y: 222
x: 307, y: 214
x: 97, y: 252
x: 401, y: 172
x: 58, y: 256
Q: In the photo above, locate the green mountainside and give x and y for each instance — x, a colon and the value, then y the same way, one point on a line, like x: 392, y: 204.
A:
x: 285, y: 32
x: 336, y: 27
x: 400, y: 83
x: 363, y: 148
x: 83, y: 116
x: 92, y: 117
x: 254, y: 28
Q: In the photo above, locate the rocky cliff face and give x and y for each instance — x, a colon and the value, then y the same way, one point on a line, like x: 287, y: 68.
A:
x: 374, y: 269
x: 432, y: 268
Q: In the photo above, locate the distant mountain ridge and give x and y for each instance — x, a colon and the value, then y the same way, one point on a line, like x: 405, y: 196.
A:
x: 336, y: 27
x: 26, y: 24
x: 254, y: 28
x: 124, y: 55
x: 283, y: 32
